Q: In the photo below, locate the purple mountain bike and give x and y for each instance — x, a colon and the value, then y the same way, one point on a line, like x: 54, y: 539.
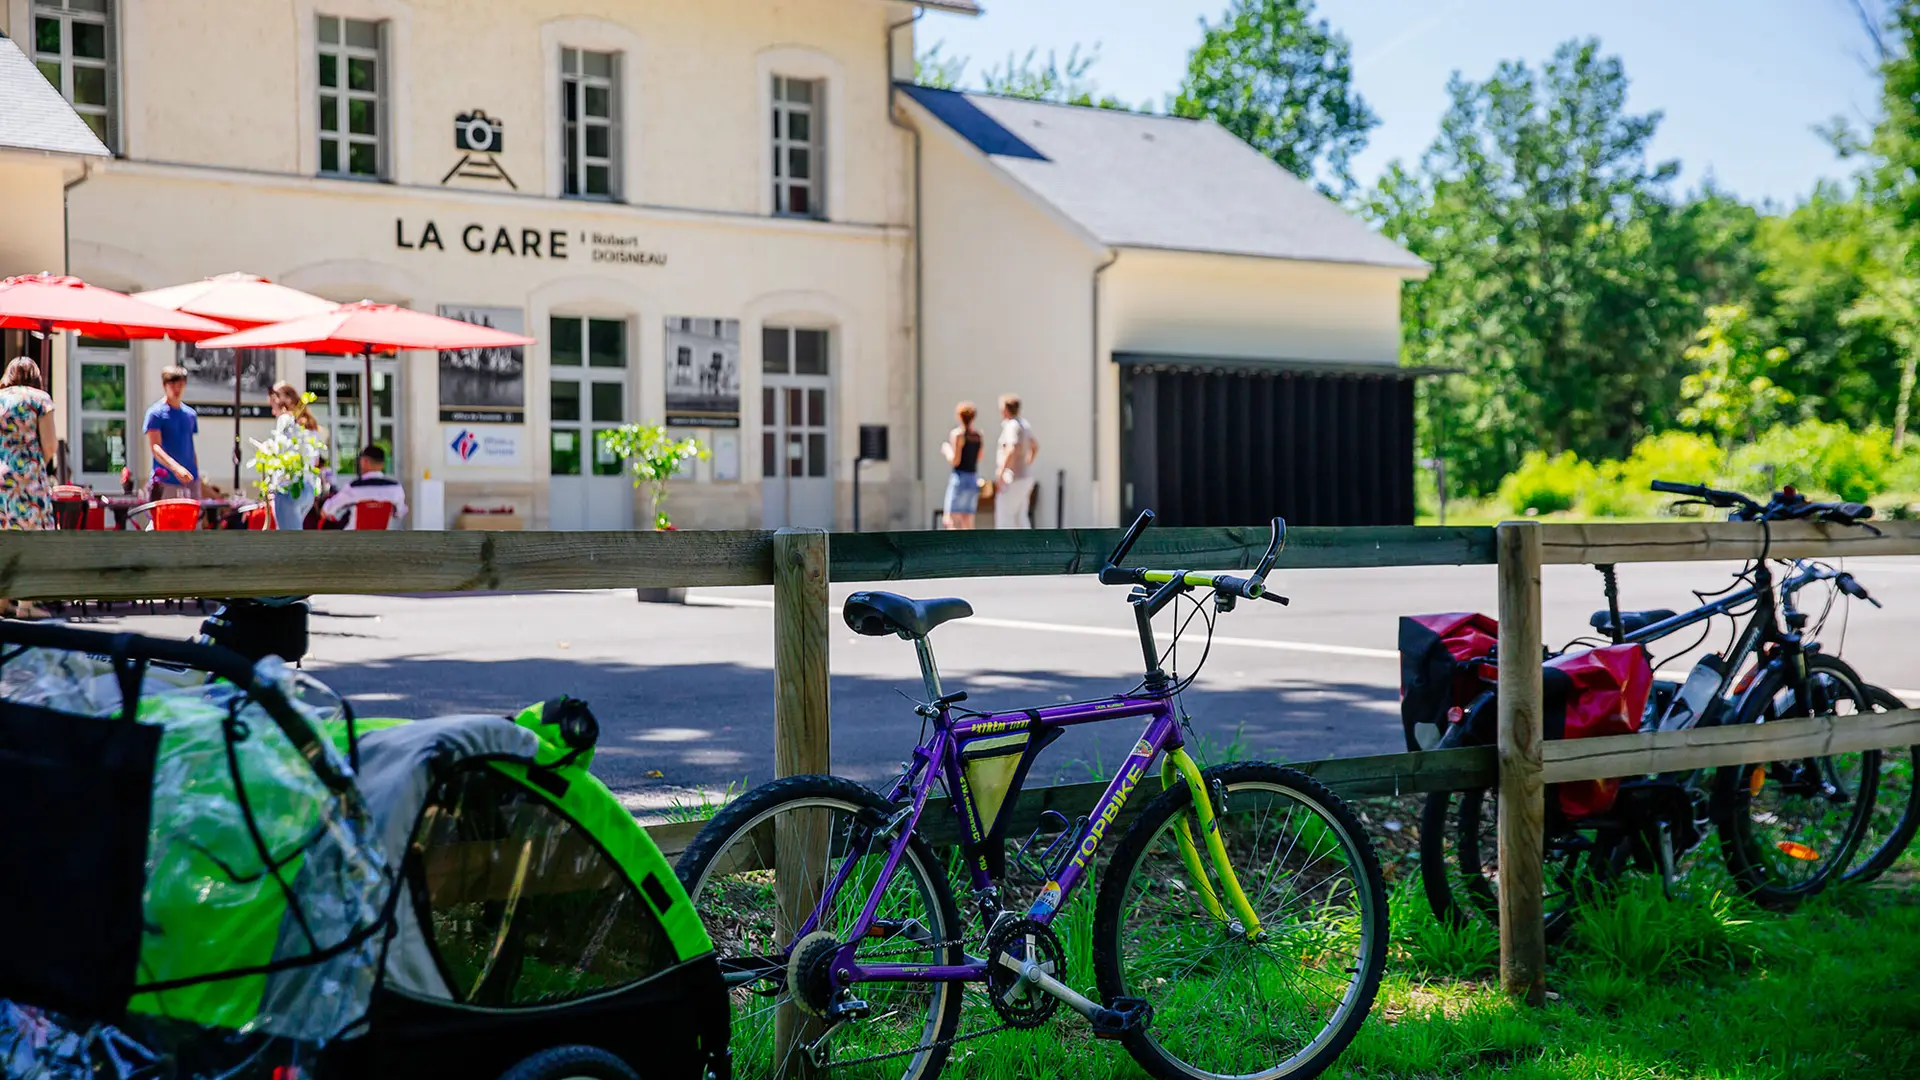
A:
x: 1239, y: 930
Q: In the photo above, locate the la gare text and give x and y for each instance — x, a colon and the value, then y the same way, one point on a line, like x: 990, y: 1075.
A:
x: 525, y: 243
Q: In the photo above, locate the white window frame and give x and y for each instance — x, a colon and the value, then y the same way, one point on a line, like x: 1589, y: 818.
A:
x: 786, y: 110
x: 576, y: 162
x: 342, y: 135
x: 66, y: 14
x: 84, y: 354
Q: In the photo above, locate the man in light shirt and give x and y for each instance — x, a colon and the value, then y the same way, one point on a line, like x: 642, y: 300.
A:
x: 372, y: 485
x: 1014, y: 471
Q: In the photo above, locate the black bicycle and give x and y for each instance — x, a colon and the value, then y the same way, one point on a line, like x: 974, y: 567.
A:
x: 1786, y: 828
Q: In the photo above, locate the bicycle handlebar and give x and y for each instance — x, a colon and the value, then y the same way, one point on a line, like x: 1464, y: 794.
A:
x: 1252, y: 587
x: 1786, y: 505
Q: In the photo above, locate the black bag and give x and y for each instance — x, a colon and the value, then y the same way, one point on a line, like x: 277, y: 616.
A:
x: 75, y: 804
x: 1435, y: 670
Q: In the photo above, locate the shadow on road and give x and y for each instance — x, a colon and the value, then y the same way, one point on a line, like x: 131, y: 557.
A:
x: 709, y: 725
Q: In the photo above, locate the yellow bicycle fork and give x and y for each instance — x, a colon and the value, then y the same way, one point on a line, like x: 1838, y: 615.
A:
x: 1178, y: 761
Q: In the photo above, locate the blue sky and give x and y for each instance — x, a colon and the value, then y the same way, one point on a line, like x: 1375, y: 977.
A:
x: 1741, y: 82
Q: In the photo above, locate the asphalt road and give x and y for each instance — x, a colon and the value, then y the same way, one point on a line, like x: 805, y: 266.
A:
x: 687, y: 692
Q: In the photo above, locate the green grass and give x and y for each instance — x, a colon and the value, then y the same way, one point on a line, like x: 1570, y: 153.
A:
x: 1701, y: 987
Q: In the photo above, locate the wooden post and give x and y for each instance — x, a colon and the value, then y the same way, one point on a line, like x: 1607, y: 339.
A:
x: 800, y: 698
x: 1523, y: 809
x: 801, y: 745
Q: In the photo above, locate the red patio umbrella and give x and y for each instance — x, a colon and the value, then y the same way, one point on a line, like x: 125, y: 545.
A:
x: 46, y: 302
x: 366, y: 328
x: 242, y: 301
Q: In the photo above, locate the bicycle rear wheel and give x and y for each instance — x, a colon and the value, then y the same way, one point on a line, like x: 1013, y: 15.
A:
x: 1460, y: 862
x: 1790, y: 826
x: 1896, y: 803
x: 773, y: 853
x: 1224, y: 1005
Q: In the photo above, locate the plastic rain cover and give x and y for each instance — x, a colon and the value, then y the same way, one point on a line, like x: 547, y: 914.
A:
x: 286, y: 944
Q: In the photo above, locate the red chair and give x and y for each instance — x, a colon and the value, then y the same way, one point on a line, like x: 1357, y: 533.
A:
x: 372, y: 515
x: 257, y: 516
x: 96, y: 517
x: 172, y: 515
x: 69, y: 511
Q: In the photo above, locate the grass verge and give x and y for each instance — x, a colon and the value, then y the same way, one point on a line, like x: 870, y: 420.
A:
x: 1702, y: 987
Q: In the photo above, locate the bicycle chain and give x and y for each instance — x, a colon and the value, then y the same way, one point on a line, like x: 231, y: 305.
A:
x: 937, y: 1044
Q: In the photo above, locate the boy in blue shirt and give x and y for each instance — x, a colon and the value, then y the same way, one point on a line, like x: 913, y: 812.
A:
x: 171, y: 426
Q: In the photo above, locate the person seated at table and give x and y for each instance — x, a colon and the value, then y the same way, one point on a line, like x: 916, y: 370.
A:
x: 372, y: 485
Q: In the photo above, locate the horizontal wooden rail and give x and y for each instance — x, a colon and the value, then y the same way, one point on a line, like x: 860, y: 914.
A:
x: 170, y: 565
x: 1739, y: 744
x: 1464, y: 769
x: 897, y: 556
x: 1680, y: 541
x: 167, y: 565
x: 1350, y: 778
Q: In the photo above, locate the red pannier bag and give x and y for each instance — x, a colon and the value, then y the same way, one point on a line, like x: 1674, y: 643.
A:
x: 1434, y: 673
x: 1590, y: 693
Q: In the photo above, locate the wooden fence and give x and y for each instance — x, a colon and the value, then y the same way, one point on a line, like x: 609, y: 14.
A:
x: 801, y: 563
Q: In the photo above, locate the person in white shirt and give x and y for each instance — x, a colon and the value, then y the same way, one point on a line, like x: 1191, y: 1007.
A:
x: 372, y: 485
x: 1014, y: 471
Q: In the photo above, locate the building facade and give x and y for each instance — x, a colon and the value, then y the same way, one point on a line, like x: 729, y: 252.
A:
x: 736, y: 218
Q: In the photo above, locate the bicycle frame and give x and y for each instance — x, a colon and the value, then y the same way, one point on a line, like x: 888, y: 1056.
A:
x: 1762, y: 630
x: 938, y: 760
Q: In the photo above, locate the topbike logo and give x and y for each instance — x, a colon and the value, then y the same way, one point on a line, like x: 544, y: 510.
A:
x: 465, y: 444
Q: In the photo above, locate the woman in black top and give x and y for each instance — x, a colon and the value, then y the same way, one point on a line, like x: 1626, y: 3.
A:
x: 962, y: 451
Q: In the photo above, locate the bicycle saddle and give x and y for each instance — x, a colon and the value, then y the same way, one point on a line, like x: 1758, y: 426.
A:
x: 877, y: 614
x: 1631, y: 621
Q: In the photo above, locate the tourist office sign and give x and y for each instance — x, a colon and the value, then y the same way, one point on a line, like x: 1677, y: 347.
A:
x: 492, y: 239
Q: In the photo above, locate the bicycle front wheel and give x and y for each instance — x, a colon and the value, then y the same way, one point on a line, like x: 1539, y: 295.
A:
x: 1791, y: 825
x: 1225, y: 1005
x: 756, y: 872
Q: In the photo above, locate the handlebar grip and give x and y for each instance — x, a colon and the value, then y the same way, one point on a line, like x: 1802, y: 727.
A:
x: 1698, y: 491
x: 1123, y: 575
x: 1279, y: 527
x: 1126, y: 544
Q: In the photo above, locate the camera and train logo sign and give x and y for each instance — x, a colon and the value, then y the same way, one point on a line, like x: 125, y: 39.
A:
x: 480, y: 139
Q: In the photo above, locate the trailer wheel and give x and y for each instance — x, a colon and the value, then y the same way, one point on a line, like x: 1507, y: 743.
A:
x: 571, y: 1063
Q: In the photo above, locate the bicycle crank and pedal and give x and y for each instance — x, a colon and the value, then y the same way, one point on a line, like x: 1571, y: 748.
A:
x: 1022, y: 955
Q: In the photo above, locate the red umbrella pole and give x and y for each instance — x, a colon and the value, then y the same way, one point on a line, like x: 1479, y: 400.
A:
x: 366, y: 400
x: 236, y: 423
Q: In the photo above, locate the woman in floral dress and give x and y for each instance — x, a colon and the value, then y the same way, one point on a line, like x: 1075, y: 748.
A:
x: 27, y: 443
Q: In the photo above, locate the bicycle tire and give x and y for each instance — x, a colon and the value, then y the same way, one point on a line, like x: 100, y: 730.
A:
x: 758, y: 808
x: 1871, y: 862
x: 1235, y: 783
x: 1755, y: 872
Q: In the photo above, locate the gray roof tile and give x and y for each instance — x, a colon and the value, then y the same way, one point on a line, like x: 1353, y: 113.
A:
x: 1140, y: 180
x: 33, y: 115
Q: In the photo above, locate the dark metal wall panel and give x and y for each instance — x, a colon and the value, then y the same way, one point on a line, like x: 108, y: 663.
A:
x: 1235, y: 446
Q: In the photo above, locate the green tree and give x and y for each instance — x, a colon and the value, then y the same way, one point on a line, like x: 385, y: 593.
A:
x: 1566, y: 280
x: 932, y: 67
x: 1818, y: 264
x: 1731, y: 393
x: 1282, y: 80
x: 1063, y: 82
x: 1894, y: 183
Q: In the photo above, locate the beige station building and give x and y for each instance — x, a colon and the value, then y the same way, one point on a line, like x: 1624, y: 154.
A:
x: 736, y: 217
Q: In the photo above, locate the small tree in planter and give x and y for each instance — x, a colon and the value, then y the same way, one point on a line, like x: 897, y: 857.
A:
x: 656, y: 458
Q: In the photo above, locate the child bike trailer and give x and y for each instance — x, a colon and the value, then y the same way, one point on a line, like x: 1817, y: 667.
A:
x: 217, y: 893
x: 536, y: 922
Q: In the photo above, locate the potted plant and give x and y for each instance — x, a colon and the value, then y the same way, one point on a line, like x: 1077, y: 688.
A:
x: 655, y: 458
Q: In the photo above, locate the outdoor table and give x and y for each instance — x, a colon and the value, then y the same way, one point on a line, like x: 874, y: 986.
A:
x: 121, y: 506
